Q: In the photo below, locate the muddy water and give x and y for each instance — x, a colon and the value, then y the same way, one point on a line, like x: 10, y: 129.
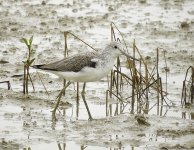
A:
x: 25, y: 121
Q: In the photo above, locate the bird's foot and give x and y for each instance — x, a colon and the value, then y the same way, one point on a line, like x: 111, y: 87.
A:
x: 54, y: 118
x: 90, y: 118
x: 83, y: 93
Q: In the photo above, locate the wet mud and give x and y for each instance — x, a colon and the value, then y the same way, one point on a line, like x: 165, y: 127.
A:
x: 25, y: 120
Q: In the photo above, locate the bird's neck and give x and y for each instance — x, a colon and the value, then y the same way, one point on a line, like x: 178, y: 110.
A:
x: 107, y: 56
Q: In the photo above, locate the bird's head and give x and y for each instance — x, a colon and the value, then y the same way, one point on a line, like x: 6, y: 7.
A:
x: 115, y: 48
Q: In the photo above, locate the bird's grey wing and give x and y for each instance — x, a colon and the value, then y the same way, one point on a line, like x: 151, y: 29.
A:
x: 74, y: 63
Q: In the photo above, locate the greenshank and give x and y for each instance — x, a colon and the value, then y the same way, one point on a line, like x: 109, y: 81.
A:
x: 85, y: 67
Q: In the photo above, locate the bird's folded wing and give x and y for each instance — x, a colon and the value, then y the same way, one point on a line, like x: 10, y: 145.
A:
x: 74, y: 63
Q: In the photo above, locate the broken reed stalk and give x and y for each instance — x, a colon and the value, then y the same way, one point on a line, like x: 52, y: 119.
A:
x: 111, y: 89
x: 140, y: 87
x: 128, y: 80
x: 166, y: 71
x: 67, y: 32
x: 65, y: 55
x: 112, y: 78
x: 158, y: 84
x: 120, y: 33
x: 113, y: 36
x: 145, y: 79
x: 117, y: 76
x: 162, y: 96
x: 118, y: 83
x: 106, y: 104
x: 133, y: 82
x: 8, y: 84
x: 118, y: 79
x: 66, y: 49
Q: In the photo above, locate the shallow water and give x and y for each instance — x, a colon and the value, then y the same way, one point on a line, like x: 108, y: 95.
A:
x: 72, y: 145
x: 25, y: 122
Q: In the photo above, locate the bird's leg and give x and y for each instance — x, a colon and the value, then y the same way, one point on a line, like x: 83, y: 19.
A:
x: 84, y: 99
x: 58, y: 101
x: 64, y: 84
x: 83, y: 90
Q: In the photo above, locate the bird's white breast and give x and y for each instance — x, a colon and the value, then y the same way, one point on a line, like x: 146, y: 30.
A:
x: 88, y: 74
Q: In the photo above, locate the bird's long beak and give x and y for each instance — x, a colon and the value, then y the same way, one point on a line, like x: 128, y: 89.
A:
x: 128, y: 56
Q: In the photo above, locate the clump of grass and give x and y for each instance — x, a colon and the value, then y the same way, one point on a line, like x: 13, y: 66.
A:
x: 141, y: 81
x: 27, y: 64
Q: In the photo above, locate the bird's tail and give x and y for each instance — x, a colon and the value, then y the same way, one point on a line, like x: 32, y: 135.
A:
x: 37, y: 66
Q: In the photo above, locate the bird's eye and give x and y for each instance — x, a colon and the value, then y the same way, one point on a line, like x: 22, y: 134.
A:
x: 115, y: 47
